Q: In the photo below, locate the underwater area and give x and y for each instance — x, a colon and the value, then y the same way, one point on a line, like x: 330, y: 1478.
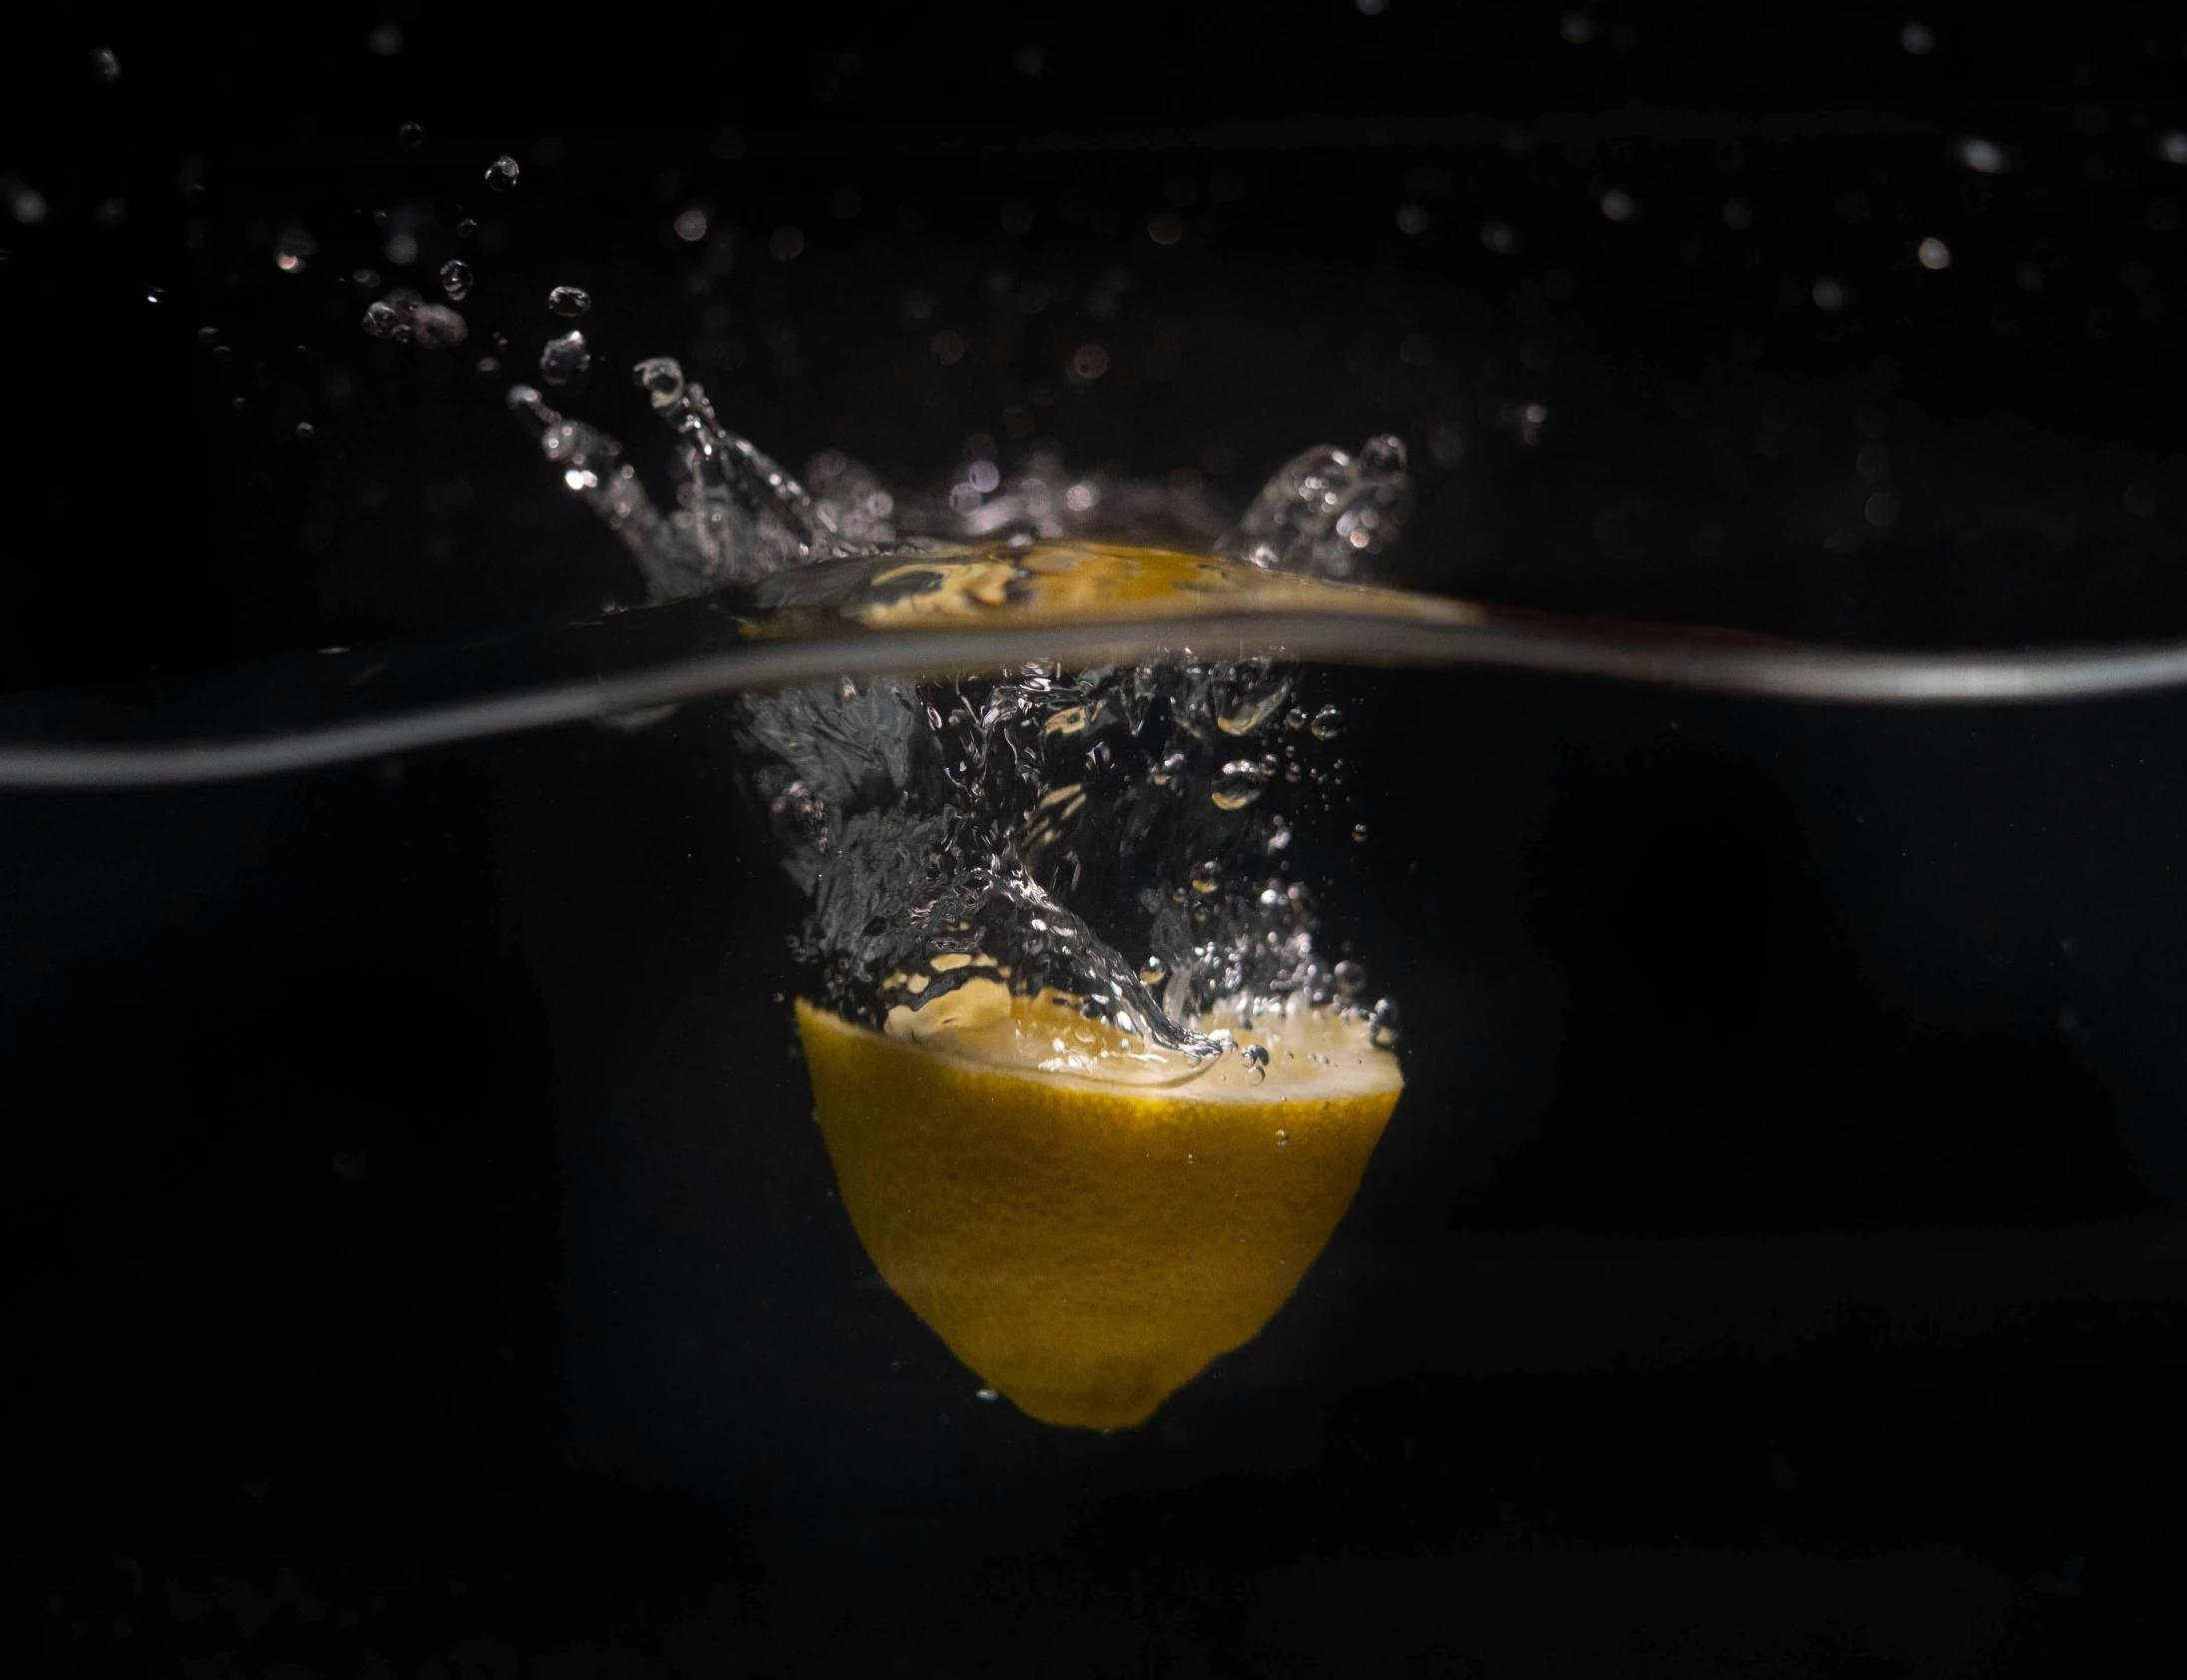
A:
x: 1342, y: 843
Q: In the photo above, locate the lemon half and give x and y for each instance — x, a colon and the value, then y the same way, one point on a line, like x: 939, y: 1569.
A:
x: 1085, y: 1221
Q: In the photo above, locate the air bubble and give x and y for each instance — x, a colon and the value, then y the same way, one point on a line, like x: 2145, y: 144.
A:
x: 456, y: 279
x: 1282, y: 1137
x: 1382, y: 1025
x: 1242, y: 781
x: 1248, y: 711
x: 502, y: 173
x: 570, y: 302
x: 1328, y: 723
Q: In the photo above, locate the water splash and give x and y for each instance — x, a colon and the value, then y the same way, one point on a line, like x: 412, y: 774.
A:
x: 960, y: 841
x: 1325, y: 510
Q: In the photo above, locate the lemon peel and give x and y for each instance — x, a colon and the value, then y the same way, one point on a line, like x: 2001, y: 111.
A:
x: 1085, y: 1218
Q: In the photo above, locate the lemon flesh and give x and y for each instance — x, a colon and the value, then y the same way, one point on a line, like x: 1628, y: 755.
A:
x: 1084, y: 1219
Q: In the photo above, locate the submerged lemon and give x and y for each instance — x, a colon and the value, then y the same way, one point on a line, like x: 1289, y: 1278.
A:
x: 1083, y: 1219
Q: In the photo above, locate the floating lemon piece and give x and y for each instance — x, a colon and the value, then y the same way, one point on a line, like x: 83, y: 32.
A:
x: 1084, y: 1219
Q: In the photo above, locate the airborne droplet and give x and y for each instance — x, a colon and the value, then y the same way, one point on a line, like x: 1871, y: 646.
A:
x: 565, y: 359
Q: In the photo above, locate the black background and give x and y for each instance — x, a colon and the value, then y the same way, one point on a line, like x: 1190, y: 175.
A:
x: 419, y: 1255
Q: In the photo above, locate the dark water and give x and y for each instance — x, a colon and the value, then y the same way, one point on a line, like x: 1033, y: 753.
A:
x: 421, y: 1255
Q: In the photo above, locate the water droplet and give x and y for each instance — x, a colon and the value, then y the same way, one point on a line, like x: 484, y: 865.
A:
x: 1917, y: 38
x: 1620, y: 205
x: 104, y: 65
x: 2171, y: 146
x: 1931, y: 254
x: 569, y: 301
x: 455, y: 279
x: 1282, y: 1137
x: 1576, y: 28
x: 155, y: 294
x: 502, y: 173
x: 409, y: 136
x: 303, y: 428
x: 385, y: 40
x: 1328, y: 723
x: 787, y: 243
x: 565, y: 359
x: 292, y: 246
x: 466, y: 228
x: 989, y: 1395
x: 1829, y: 294
x: 1984, y: 157
x: 407, y: 319
x: 1359, y: 833
x: 662, y: 378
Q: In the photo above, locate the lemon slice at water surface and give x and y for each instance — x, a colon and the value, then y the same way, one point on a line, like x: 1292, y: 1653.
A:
x: 1087, y: 1222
